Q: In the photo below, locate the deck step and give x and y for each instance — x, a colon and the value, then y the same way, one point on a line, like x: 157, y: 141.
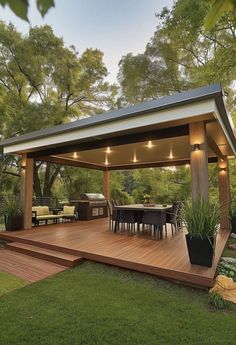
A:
x: 60, y: 258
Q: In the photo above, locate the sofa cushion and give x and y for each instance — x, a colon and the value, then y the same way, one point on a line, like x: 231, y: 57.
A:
x: 68, y: 210
x: 48, y: 216
x: 35, y: 209
x: 41, y: 210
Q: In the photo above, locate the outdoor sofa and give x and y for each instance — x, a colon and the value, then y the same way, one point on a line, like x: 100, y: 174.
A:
x: 43, y: 213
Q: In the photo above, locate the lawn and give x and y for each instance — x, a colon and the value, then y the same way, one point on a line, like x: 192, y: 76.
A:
x: 97, y: 304
x: 9, y: 283
x: 230, y: 252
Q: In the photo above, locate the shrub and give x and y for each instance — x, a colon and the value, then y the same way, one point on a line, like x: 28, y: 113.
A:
x: 226, y: 269
x: 217, y: 301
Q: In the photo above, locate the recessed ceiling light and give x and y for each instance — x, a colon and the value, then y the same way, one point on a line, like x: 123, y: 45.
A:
x: 108, y: 150
x: 75, y: 155
x: 150, y: 144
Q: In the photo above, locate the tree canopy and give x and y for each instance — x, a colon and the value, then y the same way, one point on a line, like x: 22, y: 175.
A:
x: 182, y: 55
x: 44, y: 83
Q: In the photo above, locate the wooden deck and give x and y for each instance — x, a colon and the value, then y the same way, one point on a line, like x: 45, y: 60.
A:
x: 25, y: 267
x: 167, y: 258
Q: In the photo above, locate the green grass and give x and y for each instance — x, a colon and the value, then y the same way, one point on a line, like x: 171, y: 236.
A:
x: 9, y: 283
x: 230, y: 252
x: 98, y: 304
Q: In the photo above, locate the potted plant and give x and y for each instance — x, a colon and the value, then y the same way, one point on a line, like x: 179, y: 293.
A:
x: 147, y: 200
x: 201, y: 218
x: 13, y: 215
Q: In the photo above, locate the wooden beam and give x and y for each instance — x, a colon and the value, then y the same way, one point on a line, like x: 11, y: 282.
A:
x: 27, y: 166
x: 170, y: 163
x: 96, y: 143
x: 224, y: 193
x: 106, y: 184
x: 215, y: 148
x: 70, y: 162
x: 198, y: 159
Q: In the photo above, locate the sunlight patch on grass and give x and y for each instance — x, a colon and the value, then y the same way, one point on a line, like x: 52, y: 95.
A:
x: 9, y: 282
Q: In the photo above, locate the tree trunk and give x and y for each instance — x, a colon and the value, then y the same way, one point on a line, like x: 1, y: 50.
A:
x: 37, y: 186
x: 44, y: 189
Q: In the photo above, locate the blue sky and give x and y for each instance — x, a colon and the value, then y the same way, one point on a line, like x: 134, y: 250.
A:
x: 117, y: 27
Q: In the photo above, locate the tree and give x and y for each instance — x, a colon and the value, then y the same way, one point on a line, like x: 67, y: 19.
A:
x: 20, y: 7
x: 182, y: 55
x: 43, y: 83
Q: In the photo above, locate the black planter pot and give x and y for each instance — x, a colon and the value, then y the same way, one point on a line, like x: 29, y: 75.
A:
x: 233, y: 224
x: 13, y: 223
x: 200, y: 251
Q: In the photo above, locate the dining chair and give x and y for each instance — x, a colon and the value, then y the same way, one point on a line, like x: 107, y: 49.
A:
x: 128, y: 220
x: 156, y: 221
x: 112, y: 213
x: 172, y: 217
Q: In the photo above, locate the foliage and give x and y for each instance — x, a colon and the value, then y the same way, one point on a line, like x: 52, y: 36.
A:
x: 108, y: 306
x: 20, y: 7
x: 227, y: 269
x: 80, y: 180
x: 42, y: 84
x: 11, y: 206
x: 217, y: 10
x: 121, y: 196
x: 201, y: 218
x: 217, y: 301
x: 181, y: 55
x: 233, y: 208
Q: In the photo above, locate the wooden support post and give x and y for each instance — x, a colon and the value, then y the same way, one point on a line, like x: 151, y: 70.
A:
x: 106, y: 184
x: 27, y: 189
x: 224, y: 192
x: 198, y: 159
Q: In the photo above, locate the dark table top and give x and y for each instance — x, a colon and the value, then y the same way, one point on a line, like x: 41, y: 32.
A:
x: 141, y: 207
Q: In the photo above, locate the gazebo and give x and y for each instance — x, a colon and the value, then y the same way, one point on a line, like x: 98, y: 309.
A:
x: 190, y: 127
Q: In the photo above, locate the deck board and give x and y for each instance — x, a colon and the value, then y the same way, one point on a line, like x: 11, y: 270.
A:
x: 91, y: 240
x: 27, y: 268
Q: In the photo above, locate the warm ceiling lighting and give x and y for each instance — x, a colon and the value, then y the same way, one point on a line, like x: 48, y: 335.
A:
x: 135, y: 158
x: 75, y: 155
x: 106, y: 161
x: 171, y: 155
x: 150, y: 144
x: 108, y: 150
x: 187, y: 166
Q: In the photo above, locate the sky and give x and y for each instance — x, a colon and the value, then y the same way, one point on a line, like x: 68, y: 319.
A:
x: 116, y: 27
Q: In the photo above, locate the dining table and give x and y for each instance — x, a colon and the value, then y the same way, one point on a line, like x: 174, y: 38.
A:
x: 140, y: 208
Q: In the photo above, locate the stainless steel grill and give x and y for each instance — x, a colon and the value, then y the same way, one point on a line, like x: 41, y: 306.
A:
x: 91, y: 206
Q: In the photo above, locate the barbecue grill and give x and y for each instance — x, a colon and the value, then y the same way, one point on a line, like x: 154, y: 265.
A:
x: 91, y: 206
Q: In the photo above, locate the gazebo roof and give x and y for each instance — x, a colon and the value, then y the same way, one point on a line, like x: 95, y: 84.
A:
x: 164, y: 121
